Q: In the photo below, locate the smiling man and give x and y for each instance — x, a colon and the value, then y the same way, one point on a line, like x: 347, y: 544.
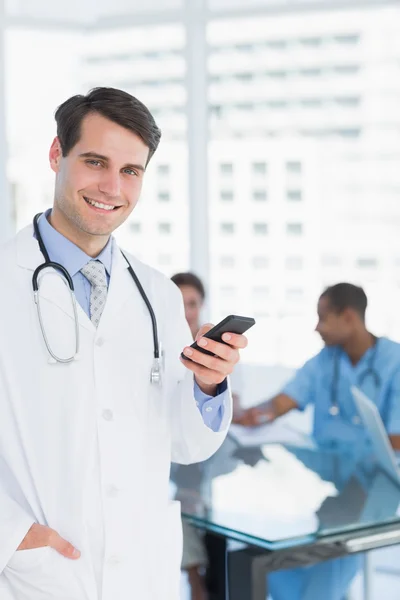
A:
x: 87, y: 437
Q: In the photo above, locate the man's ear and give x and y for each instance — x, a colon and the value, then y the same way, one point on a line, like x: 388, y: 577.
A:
x: 55, y: 155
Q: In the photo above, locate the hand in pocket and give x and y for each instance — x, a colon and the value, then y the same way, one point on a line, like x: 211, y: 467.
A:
x: 40, y: 536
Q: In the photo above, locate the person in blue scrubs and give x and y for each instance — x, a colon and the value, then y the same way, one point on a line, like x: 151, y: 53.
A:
x: 351, y: 356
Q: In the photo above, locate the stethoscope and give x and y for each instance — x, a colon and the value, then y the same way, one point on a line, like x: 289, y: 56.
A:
x: 156, y: 370
x: 370, y: 371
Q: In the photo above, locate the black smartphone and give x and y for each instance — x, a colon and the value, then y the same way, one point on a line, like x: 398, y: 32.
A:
x: 231, y: 324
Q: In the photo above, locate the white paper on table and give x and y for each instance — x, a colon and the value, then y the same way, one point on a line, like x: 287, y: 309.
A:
x: 271, y: 433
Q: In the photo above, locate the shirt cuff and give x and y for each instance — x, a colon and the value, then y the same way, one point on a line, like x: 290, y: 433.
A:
x: 212, y: 408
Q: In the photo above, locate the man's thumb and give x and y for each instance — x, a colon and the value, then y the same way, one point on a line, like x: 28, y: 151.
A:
x: 65, y: 548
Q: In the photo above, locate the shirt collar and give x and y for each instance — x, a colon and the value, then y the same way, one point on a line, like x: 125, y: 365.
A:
x: 61, y: 250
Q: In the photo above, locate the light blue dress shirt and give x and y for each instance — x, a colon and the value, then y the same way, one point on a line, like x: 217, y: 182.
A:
x: 72, y: 258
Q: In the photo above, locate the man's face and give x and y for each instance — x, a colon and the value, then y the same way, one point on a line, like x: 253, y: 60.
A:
x: 106, y: 166
x: 333, y: 327
x: 193, y: 303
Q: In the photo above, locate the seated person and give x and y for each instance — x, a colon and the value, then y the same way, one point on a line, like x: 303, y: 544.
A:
x: 352, y: 356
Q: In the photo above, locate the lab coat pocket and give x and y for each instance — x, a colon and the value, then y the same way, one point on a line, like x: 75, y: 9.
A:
x: 43, y: 574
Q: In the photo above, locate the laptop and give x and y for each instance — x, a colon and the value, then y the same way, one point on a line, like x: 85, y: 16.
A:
x: 372, y: 421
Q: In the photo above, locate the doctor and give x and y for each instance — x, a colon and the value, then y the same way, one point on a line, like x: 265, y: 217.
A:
x: 351, y: 356
x: 87, y: 429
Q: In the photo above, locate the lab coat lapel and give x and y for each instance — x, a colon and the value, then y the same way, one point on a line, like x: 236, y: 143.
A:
x: 52, y: 288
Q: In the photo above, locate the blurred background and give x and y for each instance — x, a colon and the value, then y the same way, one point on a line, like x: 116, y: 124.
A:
x: 279, y: 168
x: 278, y: 173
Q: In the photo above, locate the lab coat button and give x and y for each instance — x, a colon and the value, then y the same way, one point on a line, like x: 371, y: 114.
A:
x: 209, y: 409
x: 100, y: 341
x: 108, y: 415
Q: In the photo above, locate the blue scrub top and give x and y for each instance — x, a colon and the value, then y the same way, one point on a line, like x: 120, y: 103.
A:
x: 312, y: 384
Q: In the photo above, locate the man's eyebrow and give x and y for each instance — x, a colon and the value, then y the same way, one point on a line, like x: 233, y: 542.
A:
x: 106, y: 159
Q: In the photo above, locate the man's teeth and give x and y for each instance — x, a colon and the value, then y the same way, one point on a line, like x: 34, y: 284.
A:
x: 99, y: 204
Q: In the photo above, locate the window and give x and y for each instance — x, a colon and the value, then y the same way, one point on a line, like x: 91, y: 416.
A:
x: 367, y: 263
x: 311, y: 72
x: 277, y: 74
x: 348, y: 101
x: 261, y: 292
x: 163, y: 170
x: 164, y: 196
x: 164, y: 228
x: 244, y: 48
x: 277, y: 44
x: 311, y: 102
x: 311, y: 42
x: 277, y: 104
x: 260, y: 262
x: 260, y: 228
x: 294, y: 263
x: 346, y: 69
x: 259, y: 195
x: 244, y: 76
x: 227, y: 292
x: 294, y: 195
x: 293, y: 294
x: 347, y: 39
x: 294, y: 228
x: 227, y: 195
x: 226, y: 168
x: 227, y: 261
x: 227, y: 228
x: 260, y: 168
x: 331, y: 261
x: 135, y: 227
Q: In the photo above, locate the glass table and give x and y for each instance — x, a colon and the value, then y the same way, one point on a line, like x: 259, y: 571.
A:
x: 271, y: 506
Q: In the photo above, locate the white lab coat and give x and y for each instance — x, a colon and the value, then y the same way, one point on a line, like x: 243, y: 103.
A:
x: 85, y: 447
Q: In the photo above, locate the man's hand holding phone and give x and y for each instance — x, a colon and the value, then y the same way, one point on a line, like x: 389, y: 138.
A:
x: 216, y: 352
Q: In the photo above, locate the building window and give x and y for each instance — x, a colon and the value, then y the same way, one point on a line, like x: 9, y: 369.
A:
x: 227, y: 195
x: 331, y: 261
x: 261, y: 292
x: 260, y: 262
x: 164, y: 196
x: 227, y: 228
x: 260, y: 228
x: 135, y: 227
x: 367, y: 263
x: 163, y: 170
x: 226, y: 168
x: 294, y: 228
x: 294, y: 294
x: 293, y: 166
x: 294, y: 195
x: 347, y: 39
x: 294, y: 263
x: 164, y: 228
x: 260, y: 168
x: 259, y: 195
x: 227, y: 262
x: 227, y: 292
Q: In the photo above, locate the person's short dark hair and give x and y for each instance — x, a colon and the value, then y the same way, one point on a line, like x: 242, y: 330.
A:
x: 191, y: 280
x: 113, y: 104
x: 346, y: 295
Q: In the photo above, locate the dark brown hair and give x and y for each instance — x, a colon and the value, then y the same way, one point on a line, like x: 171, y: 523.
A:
x: 346, y: 295
x: 189, y: 279
x: 117, y: 106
